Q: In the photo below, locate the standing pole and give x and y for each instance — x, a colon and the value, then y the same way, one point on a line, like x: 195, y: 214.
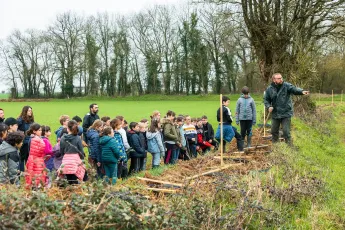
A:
x: 221, y: 130
x: 319, y: 96
x: 341, y: 99
x: 332, y: 97
x: 264, y: 117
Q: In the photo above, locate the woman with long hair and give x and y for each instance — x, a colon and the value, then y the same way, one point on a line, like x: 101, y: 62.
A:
x: 25, y: 119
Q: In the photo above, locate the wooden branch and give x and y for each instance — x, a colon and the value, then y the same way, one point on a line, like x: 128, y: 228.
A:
x: 256, y: 147
x: 162, y: 190
x: 160, y: 182
x: 212, y: 171
x: 234, y: 157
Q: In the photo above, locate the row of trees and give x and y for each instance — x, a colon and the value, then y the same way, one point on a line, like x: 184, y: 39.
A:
x: 210, y: 46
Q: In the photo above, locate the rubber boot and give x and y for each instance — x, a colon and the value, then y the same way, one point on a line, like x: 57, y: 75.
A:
x: 240, y: 145
x: 249, y: 141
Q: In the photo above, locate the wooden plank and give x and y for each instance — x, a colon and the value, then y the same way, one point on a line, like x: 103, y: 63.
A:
x: 213, y: 171
x: 160, y: 182
x: 162, y: 190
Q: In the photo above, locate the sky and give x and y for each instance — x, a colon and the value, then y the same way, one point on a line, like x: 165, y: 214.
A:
x: 39, y: 14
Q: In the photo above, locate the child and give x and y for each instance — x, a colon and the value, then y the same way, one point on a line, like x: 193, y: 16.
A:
x: 64, y: 119
x: 202, y: 145
x: 12, y: 124
x: 71, y: 149
x: 190, y: 134
x: 56, y: 151
x: 92, y: 137
x: 156, y: 114
x: 9, y: 157
x: 123, y: 132
x: 25, y: 119
x: 155, y: 143
x: 170, y: 138
x: 49, y: 155
x: 183, y: 150
x: 142, y: 136
x: 110, y: 154
x: 122, y: 169
x: 125, y: 125
x: 178, y: 125
x: 80, y: 128
x: 3, y: 132
x: 36, y: 174
x: 246, y: 114
x: 139, y: 154
x: 228, y: 130
x: 106, y: 120
x: 209, y: 132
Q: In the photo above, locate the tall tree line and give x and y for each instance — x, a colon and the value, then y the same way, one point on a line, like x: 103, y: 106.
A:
x: 208, y: 47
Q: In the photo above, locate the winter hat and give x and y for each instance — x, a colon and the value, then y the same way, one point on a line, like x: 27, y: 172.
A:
x: 11, y: 121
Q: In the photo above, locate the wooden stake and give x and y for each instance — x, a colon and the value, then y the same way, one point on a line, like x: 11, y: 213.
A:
x: 332, y: 97
x: 162, y: 190
x: 213, y: 171
x: 160, y: 182
x: 341, y: 99
x: 264, y: 116
x: 221, y: 130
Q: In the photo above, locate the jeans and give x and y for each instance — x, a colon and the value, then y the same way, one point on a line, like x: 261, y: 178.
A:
x: 286, y: 124
x: 239, y: 139
x: 156, y: 159
x: 110, y: 172
x: 171, y: 154
x: 246, y: 128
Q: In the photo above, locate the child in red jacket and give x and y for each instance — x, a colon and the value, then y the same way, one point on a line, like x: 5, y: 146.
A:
x: 36, y: 174
x: 202, y: 145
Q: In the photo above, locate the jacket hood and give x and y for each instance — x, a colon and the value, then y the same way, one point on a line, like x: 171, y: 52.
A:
x: 6, y: 148
x: 58, y: 130
x: 166, y: 121
x: 150, y: 135
x: 91, y: 132
x: 70, y: 137
x: 105, y: 139
x: 242, y: 96
x: 131, y: 133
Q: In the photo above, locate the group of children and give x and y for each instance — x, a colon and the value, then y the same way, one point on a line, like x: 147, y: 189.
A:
x: 111, y: 143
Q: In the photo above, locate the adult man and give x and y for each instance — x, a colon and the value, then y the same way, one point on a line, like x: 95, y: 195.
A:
x: 90, y: 118
x: 2, y: 116
x: 277, y: 100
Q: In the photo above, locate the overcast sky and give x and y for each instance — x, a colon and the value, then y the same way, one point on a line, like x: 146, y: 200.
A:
x: 38, y: 14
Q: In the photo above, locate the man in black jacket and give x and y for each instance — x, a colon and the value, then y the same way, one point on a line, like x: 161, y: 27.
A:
x: 90, y: 118
x: 277, y: 100
x: 209, y: 132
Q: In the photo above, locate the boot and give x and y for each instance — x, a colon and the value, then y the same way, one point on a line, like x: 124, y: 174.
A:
x: 240, y: 145
x: 155, y: 166
x: 249, y: 141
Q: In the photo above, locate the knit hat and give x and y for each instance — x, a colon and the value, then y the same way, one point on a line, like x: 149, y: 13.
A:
x: 11, y: 121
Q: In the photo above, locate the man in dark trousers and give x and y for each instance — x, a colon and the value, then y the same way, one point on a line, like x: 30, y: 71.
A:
x: 277, y: 100
x: 90, y: 118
